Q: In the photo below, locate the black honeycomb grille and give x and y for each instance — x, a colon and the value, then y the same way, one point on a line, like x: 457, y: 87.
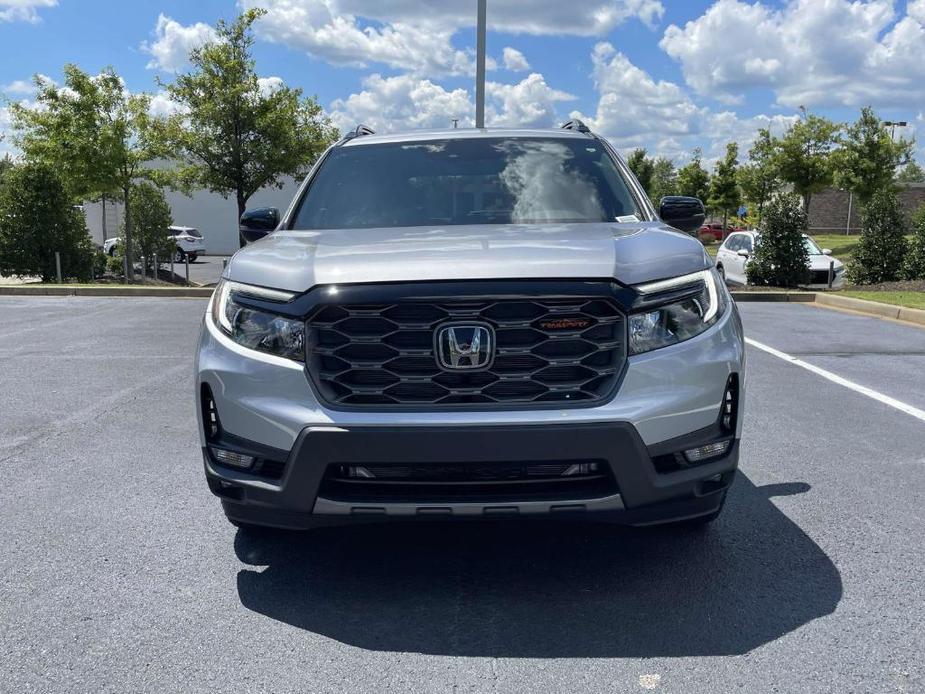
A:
x: 549, y: 350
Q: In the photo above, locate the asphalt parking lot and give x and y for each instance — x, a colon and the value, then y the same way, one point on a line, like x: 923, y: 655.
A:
x: 119, y: 573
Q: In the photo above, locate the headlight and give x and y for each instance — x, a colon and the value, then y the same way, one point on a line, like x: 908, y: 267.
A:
x: 259, y: 330
x: 699, y: 301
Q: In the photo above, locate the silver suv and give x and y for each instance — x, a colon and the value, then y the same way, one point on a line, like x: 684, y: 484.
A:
x: 468, y: 324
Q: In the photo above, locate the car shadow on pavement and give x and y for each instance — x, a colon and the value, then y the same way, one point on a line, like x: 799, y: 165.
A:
x: 548, y: 590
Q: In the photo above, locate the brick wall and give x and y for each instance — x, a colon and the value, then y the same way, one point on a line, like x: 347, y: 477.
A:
x: 828, y: 210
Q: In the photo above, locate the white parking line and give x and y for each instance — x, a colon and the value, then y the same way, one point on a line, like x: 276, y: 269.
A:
x: 857, y: 388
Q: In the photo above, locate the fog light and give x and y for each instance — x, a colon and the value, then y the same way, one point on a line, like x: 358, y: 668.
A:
x: 580, y: 469
x: 711, y: 450
x: 358, y: 471
x: 238, y: 460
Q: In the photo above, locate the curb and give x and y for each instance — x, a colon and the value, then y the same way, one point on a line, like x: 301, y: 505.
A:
x: 38, y: 290
x: 873, y: 308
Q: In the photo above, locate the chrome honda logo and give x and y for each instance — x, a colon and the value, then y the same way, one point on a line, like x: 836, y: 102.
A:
x: 461, y: 347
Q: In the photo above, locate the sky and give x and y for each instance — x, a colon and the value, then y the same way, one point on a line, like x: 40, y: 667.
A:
x: 667, y: 75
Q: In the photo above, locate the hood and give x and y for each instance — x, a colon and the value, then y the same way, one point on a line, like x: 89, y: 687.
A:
x: 631, y: 253
x: 821, y: 262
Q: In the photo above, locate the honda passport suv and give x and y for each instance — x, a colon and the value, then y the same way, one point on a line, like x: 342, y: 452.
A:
x: 470, y: 324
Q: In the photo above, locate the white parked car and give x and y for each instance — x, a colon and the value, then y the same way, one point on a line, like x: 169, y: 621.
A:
x: 734, y: 255
x: 189, y: 243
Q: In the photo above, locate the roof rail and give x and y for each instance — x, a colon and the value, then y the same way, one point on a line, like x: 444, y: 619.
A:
x: 359, y: 131
x: 576, y: 124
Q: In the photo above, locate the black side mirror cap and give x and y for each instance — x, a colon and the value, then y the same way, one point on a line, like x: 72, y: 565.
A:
x: 683, y: 213
x: 255, y: 224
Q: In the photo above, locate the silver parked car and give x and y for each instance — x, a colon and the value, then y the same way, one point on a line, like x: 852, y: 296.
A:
x: 470, y: 324
x: 736, y: 252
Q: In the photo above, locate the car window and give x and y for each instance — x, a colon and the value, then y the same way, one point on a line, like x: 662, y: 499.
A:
x: 811, y: 247
x: 466, y: 181
x: 732, y: 243
x: 746, y: 244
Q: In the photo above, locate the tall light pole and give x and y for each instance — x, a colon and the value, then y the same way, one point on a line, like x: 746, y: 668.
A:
x: 480, y: 66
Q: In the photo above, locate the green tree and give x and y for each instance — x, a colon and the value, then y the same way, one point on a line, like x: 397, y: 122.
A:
x: 693, y: 179
x: 643, y: 168
x: 760, y: 179
x: 911, y: 173
x: 233, y: 136
x: 37, y: 219
x: 664, y: 179
x: 781, y: 258
x: 803, y: 153
x: 724, y: 188
x: 95, y: 134
x: 151, y: 219
x: 867, y: 158
x: 914, y: 268
x: 881, y: 250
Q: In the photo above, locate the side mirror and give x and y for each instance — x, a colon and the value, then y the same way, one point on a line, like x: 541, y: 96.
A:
x: 255, y: 224
x: 744, y: 253
x: 683, y: 213
x: 826, y: 251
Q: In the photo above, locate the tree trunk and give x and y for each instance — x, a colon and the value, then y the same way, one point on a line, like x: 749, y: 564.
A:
x: 242, y: 205
x: 725, y: 231
x: 127, y: 241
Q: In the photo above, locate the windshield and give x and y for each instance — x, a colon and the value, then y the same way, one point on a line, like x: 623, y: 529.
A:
x: 811, y: 246
x: 465, y: 181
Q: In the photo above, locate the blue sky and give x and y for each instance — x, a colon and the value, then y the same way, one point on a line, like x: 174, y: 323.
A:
x: 669, y: 75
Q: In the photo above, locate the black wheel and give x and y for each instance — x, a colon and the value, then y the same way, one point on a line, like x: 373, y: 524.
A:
x: 179, y: 257
x: 192, y: 257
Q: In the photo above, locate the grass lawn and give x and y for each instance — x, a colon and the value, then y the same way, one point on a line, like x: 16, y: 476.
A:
x: 907, y: 299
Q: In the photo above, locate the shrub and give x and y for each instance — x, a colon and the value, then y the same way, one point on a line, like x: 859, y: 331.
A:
x: 37, y: 219
x: 781, y: 258
x: 914, y: 268
x: 880, y: 252
x: 150, y: 219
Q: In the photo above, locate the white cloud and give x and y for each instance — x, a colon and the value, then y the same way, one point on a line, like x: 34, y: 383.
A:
x: 173, y: 42
x: 161, y: 105
x: 633, y: 106
x: 268, y: 85
x: 635, y: 110
x: 530, y: 103
x: 402, y: 102
x: 514, y: 60
x: 23, y: 10
x: 407, y: 102
x: 417, y: 35
x: 810, y: 52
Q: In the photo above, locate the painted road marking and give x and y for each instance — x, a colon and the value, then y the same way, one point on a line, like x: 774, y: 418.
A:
x: 835, y: 378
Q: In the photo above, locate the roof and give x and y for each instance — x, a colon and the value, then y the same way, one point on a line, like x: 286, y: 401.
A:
x: 462, y: 133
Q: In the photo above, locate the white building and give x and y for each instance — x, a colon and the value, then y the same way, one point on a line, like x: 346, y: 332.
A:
x: 213, y: 215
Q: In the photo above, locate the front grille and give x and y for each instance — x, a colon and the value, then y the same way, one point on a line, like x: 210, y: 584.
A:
x: 819, y: 277
x: 549, y: 350
x: 435, y: 482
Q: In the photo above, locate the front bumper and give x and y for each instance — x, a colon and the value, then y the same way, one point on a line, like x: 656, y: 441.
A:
x: 635, y: 492
x: 669, y: 400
